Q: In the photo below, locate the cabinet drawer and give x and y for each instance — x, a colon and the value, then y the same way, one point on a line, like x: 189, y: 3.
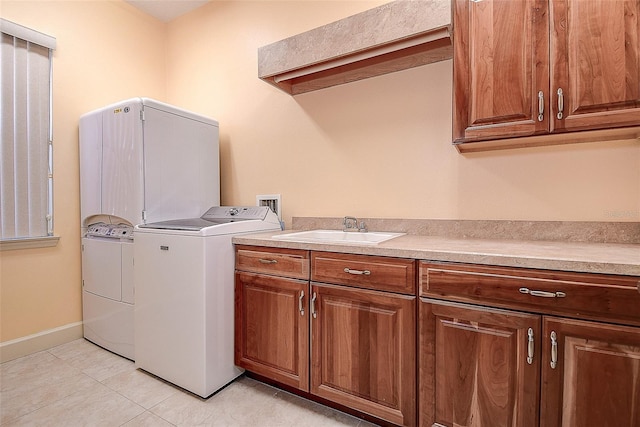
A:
x: 364, y: 271
x: 601, y: 296
x: 281, y: 262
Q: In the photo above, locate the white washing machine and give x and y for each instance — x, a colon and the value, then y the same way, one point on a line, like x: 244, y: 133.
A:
x: 184, y: 275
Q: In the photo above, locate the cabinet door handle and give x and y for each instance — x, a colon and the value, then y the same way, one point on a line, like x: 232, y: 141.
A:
x: 313, y: 305
x: 530, y: 347
x: 268, y: 261
x: 554, y: 350
x: 540, y: 106
x: 301, y: 303
x: 543, y: 294
x: 357, y: 272
x: 560, y: 103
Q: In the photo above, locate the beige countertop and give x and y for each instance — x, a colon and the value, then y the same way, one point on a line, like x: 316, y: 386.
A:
x: 610, y: 258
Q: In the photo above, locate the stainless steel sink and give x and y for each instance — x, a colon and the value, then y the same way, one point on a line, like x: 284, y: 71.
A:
x: 337, y: 236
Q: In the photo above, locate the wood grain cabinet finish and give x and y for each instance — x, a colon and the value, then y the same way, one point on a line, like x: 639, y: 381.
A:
x: 271, y: 316
x: 271, y: 331
x: 606, y: 297
x: 364, y: 271
x: 595, y: 62
x: 590, y: 375
x: 364, y: 351
x: 501, y: 51
x: 474, y: 366
x: 506, y: 346
x: 352, y: 346
x: 363, y: 340
x: 282, y: 262
x: 530, y: 68
x: 481, y: 366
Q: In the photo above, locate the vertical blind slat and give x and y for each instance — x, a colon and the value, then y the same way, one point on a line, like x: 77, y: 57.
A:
x: 24, y: 202
x: 38, y: 101
x: 7, y: 197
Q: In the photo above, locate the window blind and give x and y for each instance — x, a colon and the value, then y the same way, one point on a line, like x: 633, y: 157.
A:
x: 25, y: 150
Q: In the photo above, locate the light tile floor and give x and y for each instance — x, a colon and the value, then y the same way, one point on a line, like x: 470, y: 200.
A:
x: 81, y: 384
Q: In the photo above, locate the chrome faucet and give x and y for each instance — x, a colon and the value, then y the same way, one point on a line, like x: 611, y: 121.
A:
x: 350, y: 223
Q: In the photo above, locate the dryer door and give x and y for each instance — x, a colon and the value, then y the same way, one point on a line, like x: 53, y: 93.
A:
x: 102, y: 267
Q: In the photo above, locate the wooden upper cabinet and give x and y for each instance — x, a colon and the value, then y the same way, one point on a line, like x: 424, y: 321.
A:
x: 595, y: 59
x: 500, y: 66
x: 535, y: 72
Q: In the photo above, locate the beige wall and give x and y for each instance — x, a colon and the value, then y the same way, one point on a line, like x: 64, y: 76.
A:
x: 375, y: 148
x: 106, y: 51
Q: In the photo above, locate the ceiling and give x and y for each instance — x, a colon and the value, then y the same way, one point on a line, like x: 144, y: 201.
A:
x: 166, y: 10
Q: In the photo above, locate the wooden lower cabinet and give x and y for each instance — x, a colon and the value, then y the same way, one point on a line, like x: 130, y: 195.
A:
x: 475, y: 368
x: 272, y: 333
x: 495, y: 347
x: 363, y: 351
x: 481, y: 366
x: 352, y: 346
x: 595, y: 380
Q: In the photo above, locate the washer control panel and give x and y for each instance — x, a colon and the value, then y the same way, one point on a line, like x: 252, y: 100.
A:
x: 113, y: 231
x: 236, y: 213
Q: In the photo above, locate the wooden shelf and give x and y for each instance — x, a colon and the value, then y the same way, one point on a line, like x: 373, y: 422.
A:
x: 392, y: 37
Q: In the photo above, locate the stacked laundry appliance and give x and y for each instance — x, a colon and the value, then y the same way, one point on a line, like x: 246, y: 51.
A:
x: 141, y: 161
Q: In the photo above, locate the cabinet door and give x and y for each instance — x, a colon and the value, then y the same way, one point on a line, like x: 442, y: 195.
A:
x: 363, y: 351
x: 501, y: 57
x: 595, y: 380
x: 272, y: 327
x: 595, y: 55
x: 478, y: 366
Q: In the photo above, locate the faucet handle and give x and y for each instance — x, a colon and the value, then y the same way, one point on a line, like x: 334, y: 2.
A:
x: 349, y: 222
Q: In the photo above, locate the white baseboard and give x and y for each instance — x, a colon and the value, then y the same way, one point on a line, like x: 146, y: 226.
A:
x: 44, y: 340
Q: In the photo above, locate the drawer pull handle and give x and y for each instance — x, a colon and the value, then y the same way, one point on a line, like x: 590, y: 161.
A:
x: 357, y: 272
x: 268, y: 261
x: 301, y: 303
x: 313, y: 305
x: 543, y: 294
x: 554, y: 350
x: 530, y: 347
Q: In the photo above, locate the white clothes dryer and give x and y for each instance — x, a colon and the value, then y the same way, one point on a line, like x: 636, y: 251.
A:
x: 107, y: 287
x: 184, y: 311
